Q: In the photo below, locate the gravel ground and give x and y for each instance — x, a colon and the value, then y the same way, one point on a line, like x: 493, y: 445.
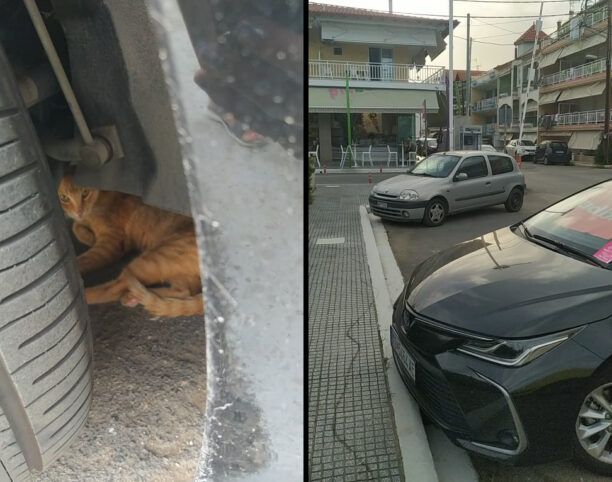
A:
x: 149, y: 396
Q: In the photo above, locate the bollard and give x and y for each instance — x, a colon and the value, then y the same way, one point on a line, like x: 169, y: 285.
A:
x: 324, y: 168
x: 381, y: 169
x: 369, y: 178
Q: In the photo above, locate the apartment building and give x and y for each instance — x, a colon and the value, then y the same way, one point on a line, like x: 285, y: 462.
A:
x: 382, y: 56
x: 572, y: 86
x: 498, y: 96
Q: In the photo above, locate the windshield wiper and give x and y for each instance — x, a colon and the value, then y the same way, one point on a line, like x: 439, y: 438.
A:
x: 568, y: 249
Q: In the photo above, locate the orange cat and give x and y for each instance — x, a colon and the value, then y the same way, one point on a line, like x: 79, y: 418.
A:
x: 112, y: 224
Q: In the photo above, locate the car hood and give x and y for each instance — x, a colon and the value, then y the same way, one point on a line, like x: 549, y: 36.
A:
x: 505, y: 286
x: 527, y: 148
x: 395, y: 185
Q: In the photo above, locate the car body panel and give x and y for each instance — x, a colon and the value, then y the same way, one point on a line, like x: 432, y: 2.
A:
x: 506, y: 286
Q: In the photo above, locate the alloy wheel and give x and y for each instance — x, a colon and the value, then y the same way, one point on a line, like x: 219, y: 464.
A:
x: 436, y: 212
x: 594, y: 424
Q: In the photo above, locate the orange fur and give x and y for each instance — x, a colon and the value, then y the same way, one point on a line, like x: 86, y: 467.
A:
x: 113, y: 224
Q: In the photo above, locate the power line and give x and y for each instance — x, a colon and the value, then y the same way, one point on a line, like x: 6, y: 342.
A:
x: 483, y: 42
x: 440, y: 17
x: 514, y: 1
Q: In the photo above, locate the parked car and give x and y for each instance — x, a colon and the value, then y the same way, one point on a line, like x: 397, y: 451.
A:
x: 523, y: 148
x: 488, y: 148
x: 505, y: 340
x: 553, y: 152
x: 448, y: 183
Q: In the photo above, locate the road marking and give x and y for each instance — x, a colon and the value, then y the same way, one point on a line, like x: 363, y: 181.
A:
x: 330, y: 185
x: 448, y: 462
x: 330, y: 241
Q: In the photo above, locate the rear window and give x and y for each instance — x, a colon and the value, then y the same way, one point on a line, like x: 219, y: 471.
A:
x: 558, y: 146
x: 500, y: 164
x: 527, y: 143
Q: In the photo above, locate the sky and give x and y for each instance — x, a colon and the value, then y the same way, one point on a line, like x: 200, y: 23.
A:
x: 495, y: 30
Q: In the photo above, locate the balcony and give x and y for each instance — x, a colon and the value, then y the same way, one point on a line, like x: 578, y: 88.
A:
x: 374, y: 72
x: 485, y: 104
x: 582, y: 118
x: 585, y: 70
x: 588, y: 117
x: 588, y: 20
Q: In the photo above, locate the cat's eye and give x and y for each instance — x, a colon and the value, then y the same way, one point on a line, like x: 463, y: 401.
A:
x: 63, y: 198
x: 85, y: 193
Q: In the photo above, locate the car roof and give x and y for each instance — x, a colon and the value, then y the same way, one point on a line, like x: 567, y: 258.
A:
x: 467, y: 153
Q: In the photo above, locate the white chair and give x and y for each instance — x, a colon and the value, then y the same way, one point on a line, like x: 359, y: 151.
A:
x: 316, y: 154
x: 369, y: 154
x: 391, y: 156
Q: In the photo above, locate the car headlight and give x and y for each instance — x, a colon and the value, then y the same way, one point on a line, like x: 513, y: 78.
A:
x: 409, y: 195
x: 515, y: 352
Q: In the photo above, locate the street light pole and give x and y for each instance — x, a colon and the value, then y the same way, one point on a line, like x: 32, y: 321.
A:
x: 606, y: 135
x: 451, y: 136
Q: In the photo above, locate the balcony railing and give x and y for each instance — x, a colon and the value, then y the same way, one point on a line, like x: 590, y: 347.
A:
x: 485, y: 104
x: 588, y: 20
x: 584, y: 70
x: 585, y: 117
x: 335, y: 70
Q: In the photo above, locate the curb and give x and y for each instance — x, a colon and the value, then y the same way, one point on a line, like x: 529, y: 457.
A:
x: 427, y: 455
x: 594, y: 166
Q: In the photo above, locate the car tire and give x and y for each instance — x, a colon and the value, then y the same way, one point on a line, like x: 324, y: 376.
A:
x: 514, y: 203
x: 580, y: 454
x: 435, y: 212
x: 45, y: 336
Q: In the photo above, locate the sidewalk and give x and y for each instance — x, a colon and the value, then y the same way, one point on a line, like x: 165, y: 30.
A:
x: 352, y: 435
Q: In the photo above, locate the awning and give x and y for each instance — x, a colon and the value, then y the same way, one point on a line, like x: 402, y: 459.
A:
x: 550, y: 58
x: 582, y: 91
x: 333, y: 99
x: 549, y: 98
x: 582, y: 45
x: 587, y: 140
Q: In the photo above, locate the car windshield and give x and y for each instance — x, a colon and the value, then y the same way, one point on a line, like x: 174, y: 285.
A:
x: 582, y: 223
x: 558, y: 146
x: 438, y: 165
x: 432, y: 142
x: 527, y: 143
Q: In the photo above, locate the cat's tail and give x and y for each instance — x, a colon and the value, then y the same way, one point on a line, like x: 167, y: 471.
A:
x: 168, y: 307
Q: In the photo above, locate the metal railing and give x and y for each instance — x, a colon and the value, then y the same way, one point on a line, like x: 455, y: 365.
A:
x: 584, y: 70
x: 584, y: 117
x: 485, y: 104
x: 336, y: 70
x: 588, y: 19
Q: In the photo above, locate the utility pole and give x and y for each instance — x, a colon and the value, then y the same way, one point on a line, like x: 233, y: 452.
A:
x: 468, y: 62
x: 606, y: 136
x: 390, y: 6
x: 348, y: 121
x: 531, y: 73
x: 451, y: 131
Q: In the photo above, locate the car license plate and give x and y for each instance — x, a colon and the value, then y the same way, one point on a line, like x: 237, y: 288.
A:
x: 559, y: 152
x: 382, y: 205
x: 404, y: 357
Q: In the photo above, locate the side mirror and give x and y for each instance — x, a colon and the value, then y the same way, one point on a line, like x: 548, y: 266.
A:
x: 462, y: 176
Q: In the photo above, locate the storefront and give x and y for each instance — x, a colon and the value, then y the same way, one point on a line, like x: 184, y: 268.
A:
x: 378, y: 117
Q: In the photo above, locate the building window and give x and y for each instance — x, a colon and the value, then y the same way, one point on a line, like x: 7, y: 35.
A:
x: 337, y: 50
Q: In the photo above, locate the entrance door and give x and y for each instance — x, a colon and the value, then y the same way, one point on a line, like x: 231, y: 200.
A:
x: 387, y: 64
x: 375, y: 61
x: 381, y: 63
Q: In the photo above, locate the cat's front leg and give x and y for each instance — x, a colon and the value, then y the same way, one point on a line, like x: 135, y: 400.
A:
x: 83, y: 234
x: 108, y: 248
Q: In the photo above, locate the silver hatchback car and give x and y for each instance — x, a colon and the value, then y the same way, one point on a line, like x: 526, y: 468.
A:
x: 447, y: 183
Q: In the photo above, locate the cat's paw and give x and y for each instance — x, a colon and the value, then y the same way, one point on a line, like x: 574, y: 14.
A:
x: 129, y: 300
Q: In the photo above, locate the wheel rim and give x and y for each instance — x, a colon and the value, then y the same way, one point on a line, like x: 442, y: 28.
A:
x: 594, y: 424
x: 515, y: 200
x: 436, y: 212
